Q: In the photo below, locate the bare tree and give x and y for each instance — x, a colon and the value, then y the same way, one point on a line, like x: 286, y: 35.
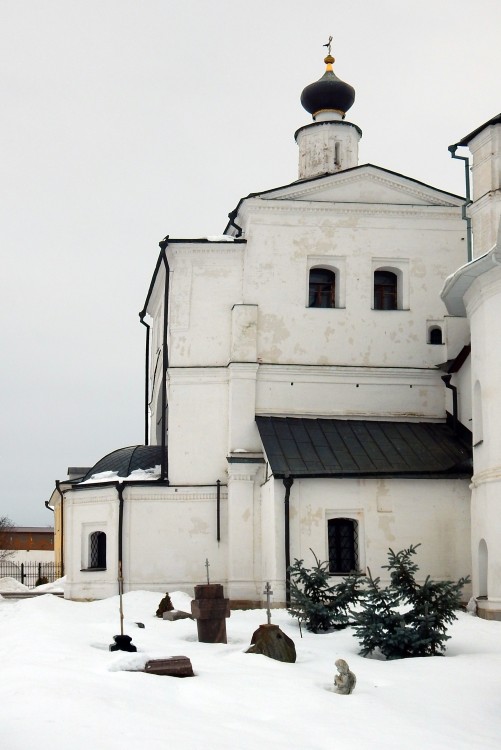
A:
x: 6, y: 526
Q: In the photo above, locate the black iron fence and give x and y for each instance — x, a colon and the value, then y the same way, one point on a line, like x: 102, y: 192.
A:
x: 31, y: 574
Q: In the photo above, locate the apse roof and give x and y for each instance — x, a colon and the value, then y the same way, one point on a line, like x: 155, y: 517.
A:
x: 126, y: 460
x: 345, y: 447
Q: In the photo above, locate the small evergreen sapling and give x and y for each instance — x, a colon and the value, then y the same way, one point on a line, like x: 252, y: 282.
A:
x: 317, y: 602
x: 406, y: 619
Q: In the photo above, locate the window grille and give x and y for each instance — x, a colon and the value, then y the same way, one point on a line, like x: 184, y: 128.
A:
x: 97, y: 550
x: 343, y: 545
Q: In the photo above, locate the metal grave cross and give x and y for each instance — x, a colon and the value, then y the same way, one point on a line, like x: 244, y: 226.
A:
x: 207, y: 566
x: 268, y: 592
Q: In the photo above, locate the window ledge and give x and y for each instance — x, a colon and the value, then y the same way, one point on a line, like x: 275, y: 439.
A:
x: 395, y: 309
x: 351, y: 573
x: 91, y: 570
x: 337, y: 307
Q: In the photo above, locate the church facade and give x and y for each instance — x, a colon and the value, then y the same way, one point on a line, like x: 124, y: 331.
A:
x: 310, y: 388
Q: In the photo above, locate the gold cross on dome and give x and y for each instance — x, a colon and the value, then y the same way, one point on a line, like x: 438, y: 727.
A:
x: 328, y: 45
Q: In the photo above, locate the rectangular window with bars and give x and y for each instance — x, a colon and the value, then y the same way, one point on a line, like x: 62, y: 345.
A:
x: 343, y: 545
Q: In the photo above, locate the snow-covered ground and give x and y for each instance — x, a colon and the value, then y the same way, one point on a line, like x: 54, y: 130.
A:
x: 62, y: 689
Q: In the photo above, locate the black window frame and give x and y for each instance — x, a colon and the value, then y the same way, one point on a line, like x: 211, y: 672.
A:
x: 97, y: 551
x: 322, y: 290
x: 385, y: 290
x: 435, y: 333
x: 342, y: 538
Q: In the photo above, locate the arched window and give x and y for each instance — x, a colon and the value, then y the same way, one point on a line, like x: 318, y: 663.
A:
x: 385, y: 290
x: 97, y: 550
x: 343, y: 545
x: 435, y: 335
x: 322, y: 288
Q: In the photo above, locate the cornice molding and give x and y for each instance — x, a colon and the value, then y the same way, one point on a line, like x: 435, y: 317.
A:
x: 348, y: 375
x: 224, y: 248
x: 335, y: 209
x: 483, y: 288
x: 366, y: 175
x: 486, y: 476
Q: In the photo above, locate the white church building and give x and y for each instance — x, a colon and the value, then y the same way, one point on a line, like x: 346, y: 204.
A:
x: 320, y: 377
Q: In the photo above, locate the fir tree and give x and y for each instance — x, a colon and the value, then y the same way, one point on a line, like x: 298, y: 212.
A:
x: 316, y: 601
x: 406, y: 618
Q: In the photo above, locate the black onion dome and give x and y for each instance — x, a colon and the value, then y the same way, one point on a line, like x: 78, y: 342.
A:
x: 329, y: 92
x: 126, y: 460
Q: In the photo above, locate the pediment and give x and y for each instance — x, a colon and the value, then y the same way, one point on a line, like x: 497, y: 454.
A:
x: 365, y: 184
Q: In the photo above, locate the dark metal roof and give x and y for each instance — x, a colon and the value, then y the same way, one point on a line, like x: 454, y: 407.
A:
x: 496, y: 120
x: 126, y: 460
x: 343, y: 447
x: 30, y: 530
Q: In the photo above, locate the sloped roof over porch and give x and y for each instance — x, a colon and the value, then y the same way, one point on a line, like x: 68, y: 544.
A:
x: 349, y: 448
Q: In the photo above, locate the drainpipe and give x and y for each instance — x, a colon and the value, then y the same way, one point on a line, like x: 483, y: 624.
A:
x: 452, y: 151
x: 61, y: 495
x: 288, y: 482
x: 232, y: 216
x: 218, y: 510
x: 146, y: 378
x: 453, y: 388
x: 165, y: 358
x: 120, y: 490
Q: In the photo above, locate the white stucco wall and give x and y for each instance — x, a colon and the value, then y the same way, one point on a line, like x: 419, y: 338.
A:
x: 485, y: 148
x: 234, y: 305
x: 391, y: 513
x: 483, y: 304
x: 168, y: 533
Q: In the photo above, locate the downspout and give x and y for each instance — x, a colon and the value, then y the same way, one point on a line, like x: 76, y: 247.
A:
x: 288, y: 482
x: 218, y: 510
x: 452, y: 151
x: 120, y: 490
x: 453, y: 388
x: 58, y: 488
x: 165, y: 359
x: 146, y: 378
x: 232, y: 216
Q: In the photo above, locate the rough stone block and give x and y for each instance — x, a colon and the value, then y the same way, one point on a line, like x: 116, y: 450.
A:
x: 270, y: 641
x: 173, y: 666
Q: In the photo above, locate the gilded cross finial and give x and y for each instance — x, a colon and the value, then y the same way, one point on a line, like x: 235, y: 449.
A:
x: 328, y: 59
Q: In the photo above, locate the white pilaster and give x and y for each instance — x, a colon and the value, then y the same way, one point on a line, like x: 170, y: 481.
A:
x: 244, y: 546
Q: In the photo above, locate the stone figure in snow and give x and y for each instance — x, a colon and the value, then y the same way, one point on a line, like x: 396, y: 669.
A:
x: 164, y: 606
x: 345, y: 681
x: 471, y: 607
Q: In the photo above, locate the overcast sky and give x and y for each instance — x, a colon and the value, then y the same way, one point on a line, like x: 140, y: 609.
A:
x: 122, y: 121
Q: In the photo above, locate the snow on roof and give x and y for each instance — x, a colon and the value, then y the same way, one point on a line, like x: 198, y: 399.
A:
x: 139, y: 475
